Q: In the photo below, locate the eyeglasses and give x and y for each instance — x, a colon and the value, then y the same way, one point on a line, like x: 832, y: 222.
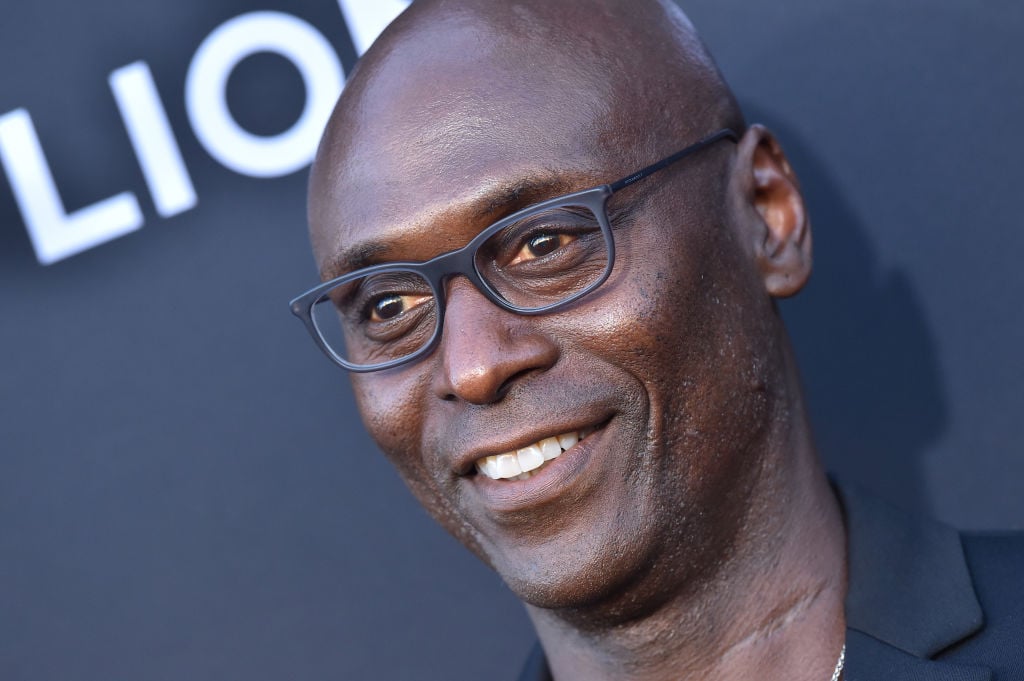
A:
x: 536, y: 260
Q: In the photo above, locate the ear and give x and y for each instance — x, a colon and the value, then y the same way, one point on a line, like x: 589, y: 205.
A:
x: 773, y: 213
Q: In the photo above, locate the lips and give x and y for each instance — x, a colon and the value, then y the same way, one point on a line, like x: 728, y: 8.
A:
x: 525, y: 462
x: 566, y: 478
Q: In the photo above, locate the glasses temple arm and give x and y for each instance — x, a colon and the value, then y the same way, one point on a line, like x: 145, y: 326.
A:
x: 724, y: 133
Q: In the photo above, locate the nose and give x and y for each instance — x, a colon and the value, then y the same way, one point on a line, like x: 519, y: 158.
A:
x: 484, y: 349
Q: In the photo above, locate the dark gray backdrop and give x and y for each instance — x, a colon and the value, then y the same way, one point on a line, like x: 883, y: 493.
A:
x: 185, y: 492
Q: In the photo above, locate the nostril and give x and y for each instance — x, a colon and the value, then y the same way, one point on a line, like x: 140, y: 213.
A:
x: 512, y: 380
x: 486, y: 380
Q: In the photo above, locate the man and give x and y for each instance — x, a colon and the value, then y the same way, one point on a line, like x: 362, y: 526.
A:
x: 551, y: 250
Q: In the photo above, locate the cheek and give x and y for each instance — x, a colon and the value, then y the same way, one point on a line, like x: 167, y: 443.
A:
x: 384, y: 401
x: 391, y: 405
x: 692, y: 324
x: 652, y: 314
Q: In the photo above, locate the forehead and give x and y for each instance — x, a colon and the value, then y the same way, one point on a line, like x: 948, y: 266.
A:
x: 435, y: 136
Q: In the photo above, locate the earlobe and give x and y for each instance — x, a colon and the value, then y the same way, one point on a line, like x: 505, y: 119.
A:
x: 780, y: 229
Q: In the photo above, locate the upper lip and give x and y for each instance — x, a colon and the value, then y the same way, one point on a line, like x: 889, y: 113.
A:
x: 463, y: 463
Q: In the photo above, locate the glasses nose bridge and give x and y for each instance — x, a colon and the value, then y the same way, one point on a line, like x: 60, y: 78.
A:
x: 443, y: 269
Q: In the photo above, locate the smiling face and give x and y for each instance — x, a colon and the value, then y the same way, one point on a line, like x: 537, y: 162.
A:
x: 642, y: 411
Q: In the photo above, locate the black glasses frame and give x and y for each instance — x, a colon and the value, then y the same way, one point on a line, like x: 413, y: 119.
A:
x: 462, y: 261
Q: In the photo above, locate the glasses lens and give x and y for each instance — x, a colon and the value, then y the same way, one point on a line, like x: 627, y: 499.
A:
x: 377, y: 318
x: 546, y: 257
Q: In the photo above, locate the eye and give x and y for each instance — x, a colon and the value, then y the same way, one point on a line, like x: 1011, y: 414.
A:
x: 389, y: 307
x: 539, y: 245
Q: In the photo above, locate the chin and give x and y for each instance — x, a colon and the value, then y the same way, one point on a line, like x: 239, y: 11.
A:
x: 598, y: 579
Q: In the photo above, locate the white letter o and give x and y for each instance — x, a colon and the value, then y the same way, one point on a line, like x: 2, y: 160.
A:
x: 206, y: 92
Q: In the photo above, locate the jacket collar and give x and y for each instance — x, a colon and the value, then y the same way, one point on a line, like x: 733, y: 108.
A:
x: 910, y: 593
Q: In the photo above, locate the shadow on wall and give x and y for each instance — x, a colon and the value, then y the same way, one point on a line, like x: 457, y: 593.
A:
x: 866, y: 353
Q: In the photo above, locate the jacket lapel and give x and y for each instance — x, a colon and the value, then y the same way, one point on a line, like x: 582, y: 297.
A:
x: 910, y: 594
x: 869, y: 659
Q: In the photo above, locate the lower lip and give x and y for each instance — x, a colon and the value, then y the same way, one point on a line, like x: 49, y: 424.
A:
x: 547, y: 484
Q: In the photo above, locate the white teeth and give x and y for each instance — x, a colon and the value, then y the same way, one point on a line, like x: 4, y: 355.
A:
x: 524, y: 463
x: 530, y: 458
x: 507, y: 465
x: 488, y: 466
x: 567, y: 440
x: 550, y: 448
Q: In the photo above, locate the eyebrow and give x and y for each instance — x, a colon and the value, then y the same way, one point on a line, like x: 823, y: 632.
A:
x: 510, y: 198
x: 495, y: 203
x: 358, y: 256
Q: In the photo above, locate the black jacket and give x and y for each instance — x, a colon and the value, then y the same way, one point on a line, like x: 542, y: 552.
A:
x: 925, y: 603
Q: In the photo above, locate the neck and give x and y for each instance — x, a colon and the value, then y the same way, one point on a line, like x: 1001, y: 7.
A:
x: 774, y: 610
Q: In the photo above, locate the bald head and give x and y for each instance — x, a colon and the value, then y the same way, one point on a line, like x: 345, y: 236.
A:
x: 470, y: 84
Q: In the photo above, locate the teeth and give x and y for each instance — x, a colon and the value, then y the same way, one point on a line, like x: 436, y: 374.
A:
x: 550, y: 448
x: 567, y: 440
x: 507, y: 465
x: 488, y: 466
x: 523, y: 463
x: 530, y: 458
